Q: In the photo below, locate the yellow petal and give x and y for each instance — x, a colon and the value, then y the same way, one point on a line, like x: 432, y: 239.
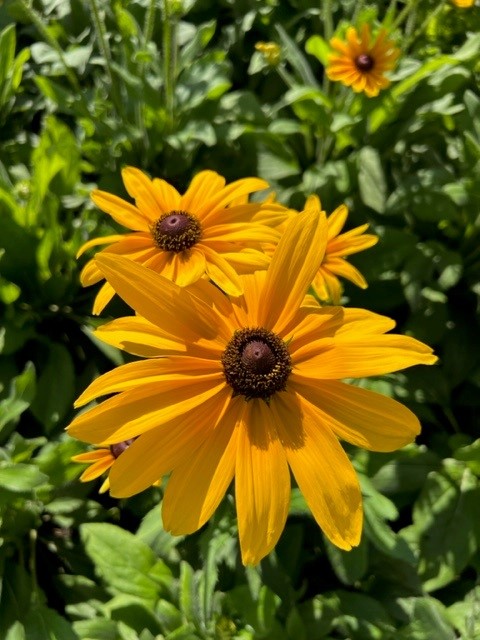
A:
x: 196, y: 487
x: 357, y: 322
x: 97, y: 468
x: 91, y: 456
x: 322, y: 470
x: 133, y: 412
x: 340, y: 267
x: 364, y: 418
x: 157, y: 452
x: 97, y: 241
x: 262, y: 483
x: 228, y: 194
x: 123, y: 212
x: 294, y: 264
x: 167, y: 196
x: 134, y: 374
x: 336, y: 221
x: 90, y: 274
x: 190, y: 266
x: 221, y: 273
x: 366, y: 356
x: 139, y: 186
x: 102, y: 298
x: 204, y: 186
x: 162, y: 302
x: 240, y: 232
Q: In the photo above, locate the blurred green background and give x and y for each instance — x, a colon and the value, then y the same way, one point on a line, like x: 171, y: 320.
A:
x: 172, y: 87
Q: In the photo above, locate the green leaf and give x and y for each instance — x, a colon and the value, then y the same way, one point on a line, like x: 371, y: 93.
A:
x: 295, y: 57
x: 428, y: 620
x: 55, y: 387
x: 318, y: 47
x: 22, y: 391
x: 371, y: 180
x: 20, y: 478
x: 349, y: 566
x: 43, y: 623
x: 125, y: 563
x: 15, y: 594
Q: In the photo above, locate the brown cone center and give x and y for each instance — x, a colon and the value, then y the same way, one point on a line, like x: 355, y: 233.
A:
x: 118, y: 448
x: 258, y: 357
x: 364, y: 62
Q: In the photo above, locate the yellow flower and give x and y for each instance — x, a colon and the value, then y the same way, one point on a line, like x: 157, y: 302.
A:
x: 100, y: 460
x: 360, y: 62
x: 463, y: 4
x: 183, y: 237
x: 326, y: 283
x: 248, y: 388
x: 271, y: 51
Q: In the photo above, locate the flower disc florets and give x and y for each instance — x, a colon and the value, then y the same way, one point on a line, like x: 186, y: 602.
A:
x: 176, y: 231
x: 118, y: 448
x: 256, y: 363
x: 364, y: 62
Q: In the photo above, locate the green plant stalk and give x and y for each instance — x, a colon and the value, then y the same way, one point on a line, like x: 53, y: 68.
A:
x: 403, y: 15
x: 149, y: 23
x: 424, y: 26
x: 101, y: 34
x: 169, y: 59
x: 42, y: 29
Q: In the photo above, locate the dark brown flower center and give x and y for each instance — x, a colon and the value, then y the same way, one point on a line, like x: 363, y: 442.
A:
x: 256, y: 363
x: 364, y: 62
x: 118, y: 448
x: 176, y: 231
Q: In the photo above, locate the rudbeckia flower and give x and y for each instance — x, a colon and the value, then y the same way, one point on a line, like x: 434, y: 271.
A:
x: 326, y: 282
x: 100, y: 461
x: 183, y: 237
x: 248, y: 389
x: 361, y: 62
x: 463, y: 4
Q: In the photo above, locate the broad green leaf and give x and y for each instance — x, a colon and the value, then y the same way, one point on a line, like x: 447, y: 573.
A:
x: 20, y: 478
x: 349, y: 566
x: 21, y: 394
x: 428, y: 620
x: 319, y: 48
x: 42, y: 623
x: 126, y: 564
x: 371, y: 180
x: 295, y: 57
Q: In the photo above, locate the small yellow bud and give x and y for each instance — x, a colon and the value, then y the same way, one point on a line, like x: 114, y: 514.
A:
x: 270, y: 51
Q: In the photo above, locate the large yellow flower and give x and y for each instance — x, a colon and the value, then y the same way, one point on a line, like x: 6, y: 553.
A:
x: 463, y: 4
x: 361, y: 63
x: 248, y: 388
x: 326, y: 283
x: 183, y: 237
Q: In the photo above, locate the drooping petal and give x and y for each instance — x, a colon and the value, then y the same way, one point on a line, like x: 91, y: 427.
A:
x: 90, y: 274
x: 190, y: 266
x: 97, y: 241
x: 162, y: 302
x: 362, y: 417
x: 322, y: 470
x: 294, y: 264
x: 121, y: 211
x: 262, y: 483
x: 158, y: 451
x: 133, y: 412
x: 197, y: 486
x: 102, y: 298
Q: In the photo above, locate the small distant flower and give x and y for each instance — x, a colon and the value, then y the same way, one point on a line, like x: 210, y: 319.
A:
x: 463, y: 4
x: 183, y: 237
x: 100, y: 460
x: 271, y: 51
x: 326, y: 283
x: 247, y: 389
x: 361, y: 62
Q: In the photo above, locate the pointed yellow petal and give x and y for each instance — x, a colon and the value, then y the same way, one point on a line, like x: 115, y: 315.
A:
x: 262, y: 483
x: 91, y: 456
x: 134, y: 374
x: 133, y: 412
x: 156, y: 452
x: 167, y: 196
x: 228, y: 194
x: 364, y: 418
x: 196, y: 487
x: 365, y: 356
x: 204, y: 186
x: 240, y: 232
x: 293, y: 267
x: 190, y: 266
x: 97, y: 468
x: 102, y: 298
x: 340, y: 267
x: 322, y: 470
x: 336, y: 221
x: 123, y: 212
x: 90, y: 274
x: 221, y: 273
x: 139, y: 187
x: 97, y: 241
x: 162, y: 302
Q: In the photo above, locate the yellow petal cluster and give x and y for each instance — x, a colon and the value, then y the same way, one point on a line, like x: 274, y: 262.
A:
x: 241, y: 379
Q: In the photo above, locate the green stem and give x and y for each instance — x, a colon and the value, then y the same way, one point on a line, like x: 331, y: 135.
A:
x: 424, y: 26
x: 104, y: 47
x: 39, y: 24
x: 149, y: 22
x: 358, y: 7
x: 403, y: 15
x: 169, y: 59
x: 32, y: 562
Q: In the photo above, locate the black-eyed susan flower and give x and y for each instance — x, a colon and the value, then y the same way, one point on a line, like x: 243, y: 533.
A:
x: 361, y: 62
x: 100, y: 461
x: 248, y: 388
x: 326, y: 282
x: 463, y: 4
x: 183, y: 237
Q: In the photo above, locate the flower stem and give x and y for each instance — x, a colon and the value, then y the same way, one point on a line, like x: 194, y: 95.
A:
x: 424, y: 26
x: 169, y: 59
x: 149, y: 22
x: 403, y: 15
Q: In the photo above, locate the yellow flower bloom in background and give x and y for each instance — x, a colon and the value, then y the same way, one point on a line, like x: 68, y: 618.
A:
x: 183, y: 237
x: 100, y: 461
x: 271, y: 51
x: 326, y: 283
x: 463, y: 4
x: 248, y: 388
x: 360, y: 62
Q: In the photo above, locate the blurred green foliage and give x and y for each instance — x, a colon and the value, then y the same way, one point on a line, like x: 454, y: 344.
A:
x: 87, y: 87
